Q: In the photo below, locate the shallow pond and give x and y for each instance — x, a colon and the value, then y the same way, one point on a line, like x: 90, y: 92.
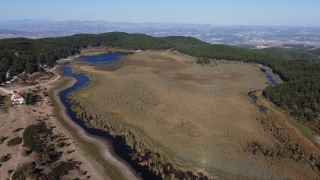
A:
x: 102, y: 59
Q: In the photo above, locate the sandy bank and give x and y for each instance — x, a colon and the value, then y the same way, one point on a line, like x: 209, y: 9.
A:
x: 116, y: 165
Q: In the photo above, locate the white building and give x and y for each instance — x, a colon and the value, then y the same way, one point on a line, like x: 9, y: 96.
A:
x: 17, y: 97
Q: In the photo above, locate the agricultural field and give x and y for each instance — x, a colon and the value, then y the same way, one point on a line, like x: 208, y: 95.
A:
x: 181, y: 116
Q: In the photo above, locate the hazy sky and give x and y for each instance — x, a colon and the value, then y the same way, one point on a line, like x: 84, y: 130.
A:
x: 217, y: 12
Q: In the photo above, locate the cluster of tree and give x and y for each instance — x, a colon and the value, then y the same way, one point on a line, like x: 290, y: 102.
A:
x: 18, y: 175
x: 56, y: 173
x: 28, y: 98
x: 36, y: 137
x: 31, y: 136
x: 14, y: 141
x: 62, y: 169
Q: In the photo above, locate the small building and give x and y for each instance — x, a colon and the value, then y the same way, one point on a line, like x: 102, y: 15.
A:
x: 17, y: 97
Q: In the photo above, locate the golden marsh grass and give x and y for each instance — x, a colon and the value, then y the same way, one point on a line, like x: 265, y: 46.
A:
x: 197, y: 118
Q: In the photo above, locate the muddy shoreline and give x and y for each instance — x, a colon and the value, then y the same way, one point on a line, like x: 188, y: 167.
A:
x: 119, y: 165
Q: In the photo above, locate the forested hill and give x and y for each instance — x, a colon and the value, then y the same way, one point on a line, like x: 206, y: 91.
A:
x: 21, y: 54
x: 182, y: 40
x: 291, y: 54
x: 299, y: 95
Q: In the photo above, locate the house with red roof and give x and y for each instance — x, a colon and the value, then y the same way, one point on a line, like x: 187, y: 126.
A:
x: 17, y: 97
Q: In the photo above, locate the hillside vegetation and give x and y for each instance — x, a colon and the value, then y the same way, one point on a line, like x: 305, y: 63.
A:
x: 182, y: 40
x: 291, y: 54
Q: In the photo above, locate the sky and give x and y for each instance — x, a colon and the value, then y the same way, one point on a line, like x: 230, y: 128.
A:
x: 216, y: 12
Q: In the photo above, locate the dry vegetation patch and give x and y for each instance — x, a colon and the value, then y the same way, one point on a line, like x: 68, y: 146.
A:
x: 194, y: 117
x: 52, y: 160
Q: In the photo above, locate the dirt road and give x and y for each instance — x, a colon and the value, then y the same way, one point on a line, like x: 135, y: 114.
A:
x: 41, y: 84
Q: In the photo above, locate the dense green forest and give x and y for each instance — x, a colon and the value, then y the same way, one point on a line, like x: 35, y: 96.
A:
x: 299, y: 95
x: 315, y: 52
x: 291, y: 54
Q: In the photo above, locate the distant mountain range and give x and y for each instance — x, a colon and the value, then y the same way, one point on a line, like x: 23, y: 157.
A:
x: 254, y: 36
x: 24, y: 21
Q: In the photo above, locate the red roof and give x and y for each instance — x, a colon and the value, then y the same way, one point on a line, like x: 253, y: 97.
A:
x: 17, y: 96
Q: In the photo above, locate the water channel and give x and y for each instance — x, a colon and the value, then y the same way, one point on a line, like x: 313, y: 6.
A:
x: 118, y: 144
x: 272, y: 82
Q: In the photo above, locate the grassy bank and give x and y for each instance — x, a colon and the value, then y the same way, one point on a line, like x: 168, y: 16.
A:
x: 92, y: 150
x: 304, y: 130
x: 94, y: 52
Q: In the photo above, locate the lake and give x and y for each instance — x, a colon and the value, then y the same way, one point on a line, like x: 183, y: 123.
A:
x: 102, y: 59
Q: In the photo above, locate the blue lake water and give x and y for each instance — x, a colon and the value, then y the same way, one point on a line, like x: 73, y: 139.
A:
x: 118, y: 144
x: 269, y: 77
x: 102, y: 59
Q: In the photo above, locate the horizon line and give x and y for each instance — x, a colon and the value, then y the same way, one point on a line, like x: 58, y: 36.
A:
x: 182, y: 23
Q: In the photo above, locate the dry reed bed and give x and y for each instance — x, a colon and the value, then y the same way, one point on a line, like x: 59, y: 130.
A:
x: 179, y: 115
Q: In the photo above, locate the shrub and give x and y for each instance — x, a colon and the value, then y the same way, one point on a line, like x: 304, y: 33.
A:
x: 60, y: 144
x: 17, y: 130
x: 5, y: 158
x: 10, y: 171
x: 18, y: 175
x: 15, y: 141
x: 31, y: 173
x: 62, y: 169
x: 203, y: 61
x: 2, y: 138
x: 26, y: 152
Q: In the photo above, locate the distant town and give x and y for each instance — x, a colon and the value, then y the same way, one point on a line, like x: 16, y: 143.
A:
x: 307, y: 38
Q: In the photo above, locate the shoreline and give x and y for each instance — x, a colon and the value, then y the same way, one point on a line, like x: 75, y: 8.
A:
x: 113, y: 165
